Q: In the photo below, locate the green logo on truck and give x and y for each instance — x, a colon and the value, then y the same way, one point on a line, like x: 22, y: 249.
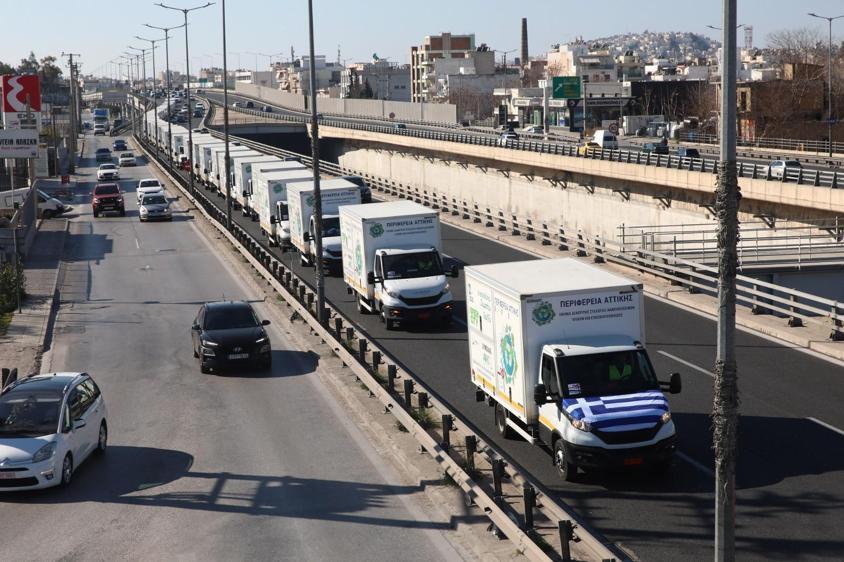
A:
x: 358, y: 259
x: 543, y: 313
x: 376, y: 230
x: 509, y: 364
x: 278, y: 188
x: 309, y: 200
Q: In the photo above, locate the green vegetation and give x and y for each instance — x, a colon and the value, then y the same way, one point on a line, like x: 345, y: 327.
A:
x: 9, y: 282
x: 5, y: 320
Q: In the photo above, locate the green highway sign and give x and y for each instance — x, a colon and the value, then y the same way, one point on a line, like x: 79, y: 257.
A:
x: 565, y: 87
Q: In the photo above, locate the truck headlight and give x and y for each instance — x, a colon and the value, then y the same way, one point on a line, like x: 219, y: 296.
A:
x: 45, y: 452
x: 582, y: 425
x: 665, y: 418
x: 394, y: 294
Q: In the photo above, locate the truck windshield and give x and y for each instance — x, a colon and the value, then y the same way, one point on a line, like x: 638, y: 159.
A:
x: 606, y: 374
x: 331, y: 227
x: 409, y: 266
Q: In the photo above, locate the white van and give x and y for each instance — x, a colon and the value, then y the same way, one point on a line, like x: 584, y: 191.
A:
x: 605, y: 139
x: 48, y: 206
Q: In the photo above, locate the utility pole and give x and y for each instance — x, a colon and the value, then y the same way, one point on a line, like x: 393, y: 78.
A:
x: 144, y: 81
x: 320, y: 278
x: 726, y: 397
x: 152, y: 43
x: 185, y: 11
x: 226, y: 125
x: 72, y: 112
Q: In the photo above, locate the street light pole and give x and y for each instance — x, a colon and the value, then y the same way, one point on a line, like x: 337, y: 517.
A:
x: 169, y: 94
x: 152, y: 43
x: 829, y: 81
x: 226, y: 125
x: 144, y: 80
x: 320, y: 278
x: 187, y: 82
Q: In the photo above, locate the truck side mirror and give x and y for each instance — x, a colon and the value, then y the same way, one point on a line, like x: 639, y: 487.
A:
x: 675, y: 384
x: 273, y: 220
x: 455, y: 271
x: 306, y: 236
x: 370, y: 278
x: 540, y: 394
x: 244, y: 193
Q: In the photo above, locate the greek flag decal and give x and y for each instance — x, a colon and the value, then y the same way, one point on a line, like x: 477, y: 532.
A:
x: 627, y: 412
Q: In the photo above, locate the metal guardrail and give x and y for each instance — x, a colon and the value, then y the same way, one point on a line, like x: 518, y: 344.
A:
x: 817, y: 178
x: 798, y: 145
x: 367, y: 360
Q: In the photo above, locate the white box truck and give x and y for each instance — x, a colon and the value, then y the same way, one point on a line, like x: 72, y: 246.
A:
x: 241, y: 174
x: 199, y: 141
x: 392, y: 262
x: 216, y: 172
x: 558, y: 347
x: 270, y: 189
x: 205, y: 154
x: 219, y: 178
x: 247, y: 193
x: 300, y: 198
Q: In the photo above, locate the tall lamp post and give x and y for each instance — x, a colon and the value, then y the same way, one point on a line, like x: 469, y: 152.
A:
x: 152, y: 43
x: 128, y: 56
x: 320, y: 278
x: 185, y: 12
x: 829, y: 81
x: 144, y: 80
x: 226, y: 124
x: 167, y: 31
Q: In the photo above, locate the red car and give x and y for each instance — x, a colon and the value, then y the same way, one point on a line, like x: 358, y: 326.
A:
x: 107, y: 197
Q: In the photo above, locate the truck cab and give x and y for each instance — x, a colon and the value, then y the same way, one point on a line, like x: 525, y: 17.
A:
x: 332, y: 254
x: 281, y: 225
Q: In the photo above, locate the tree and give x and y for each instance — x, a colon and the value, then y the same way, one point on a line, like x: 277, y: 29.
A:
x: 354, y: 83
x: 50, y: 73
x: 29, y: 65
x: 367, y: 91
x: 797, y: 45
x: 6, y: 68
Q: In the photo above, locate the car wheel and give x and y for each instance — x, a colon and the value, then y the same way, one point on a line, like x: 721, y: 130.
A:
x: 204, y: 369
x: 67, y: 470
x: 96, y: 214
x: 501, y: 422
x: 566, y: 469
x: 361, y: 309
x: 102, y: 438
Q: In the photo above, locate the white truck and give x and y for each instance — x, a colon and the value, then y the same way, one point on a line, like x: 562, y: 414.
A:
x: 219, y: 178
x: 268, y: 190
x: 241, y: 169
x: 557, y: 346
x: 335, y: 194
x: 247, y: 193
x: 217, y: 173
x: 392, y: 262
x: 205, y: 153
x: 180, y: 144
x: 199, y: 141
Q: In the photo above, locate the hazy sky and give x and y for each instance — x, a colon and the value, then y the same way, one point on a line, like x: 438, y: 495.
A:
x: 101, y: 29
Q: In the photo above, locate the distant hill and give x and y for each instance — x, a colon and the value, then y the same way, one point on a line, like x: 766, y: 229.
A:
x: 648, y: 45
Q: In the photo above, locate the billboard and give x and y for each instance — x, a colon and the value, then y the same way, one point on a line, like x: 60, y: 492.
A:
x: 18, y: 143
x: 16, y: 90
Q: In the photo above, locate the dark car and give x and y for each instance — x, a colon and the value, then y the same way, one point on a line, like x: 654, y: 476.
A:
x: 103, y: 155
x: 684, y: 152
x: 365, y: 191
x: 267, y: 109
x: 229, y: 334
x: 250, y: 105
x: 119, y: 144
x: 197, y: 113
x: 656, y: 148
x: 107, y: 197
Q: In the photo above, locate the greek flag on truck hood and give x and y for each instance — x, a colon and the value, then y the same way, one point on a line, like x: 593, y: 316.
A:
x: 626, y: 412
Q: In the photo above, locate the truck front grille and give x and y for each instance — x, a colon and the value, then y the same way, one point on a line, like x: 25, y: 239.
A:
x: 621, y: 437
x: 422, y: 301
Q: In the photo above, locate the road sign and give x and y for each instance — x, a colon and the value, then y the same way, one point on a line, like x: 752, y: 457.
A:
x: 18, y: 143
x: 565, y: 87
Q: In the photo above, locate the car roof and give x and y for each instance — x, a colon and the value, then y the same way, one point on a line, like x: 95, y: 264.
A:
x: 227, y: 305
x: 49, y: 381
x: 150, y: 179
x: 104, y: 149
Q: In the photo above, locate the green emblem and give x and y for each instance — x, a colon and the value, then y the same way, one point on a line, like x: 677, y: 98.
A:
x: 376, y: 230
x: 277, y: 188
x: 248, y: 168
x: 309, y: 200
x: 358, y: 259
x: 474, y: 317
x: 509, y: 364
x: 543, y: 313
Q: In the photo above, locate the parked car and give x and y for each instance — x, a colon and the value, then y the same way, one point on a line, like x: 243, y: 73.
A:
x: 509, y: 135
x: 103, y: 155
x: 237, y: 104
x: 119, y: 144
x: 108, y: 172
x: 656, y: 148
x: 49, y: 425
x: 587, y: 148
x: 399, y: 126
x: 126, y: 159
x: 779, y: 168
x: 154, y: 207
x: 684, y: 152
x: 107, y: 197
x: 180, y: 119
x: 229, y: 334
x: 535, y: 130
x: 149, y: 186
x: 267, y: 109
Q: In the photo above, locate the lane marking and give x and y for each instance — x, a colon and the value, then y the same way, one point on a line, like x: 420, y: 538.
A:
x: 687, y: 364
x: 826, y: 425
x: 701, y: 467
x: 137, y: 244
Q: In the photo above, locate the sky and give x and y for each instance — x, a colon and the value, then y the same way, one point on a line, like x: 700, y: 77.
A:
x: 101, y: 30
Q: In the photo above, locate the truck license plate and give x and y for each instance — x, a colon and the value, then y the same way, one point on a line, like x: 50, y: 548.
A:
x: 632, y: 461
x: 238, y: 356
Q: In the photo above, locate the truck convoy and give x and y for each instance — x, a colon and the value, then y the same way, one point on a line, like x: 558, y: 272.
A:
x: 248, y: 197
x: 392, y: 262
x: 241, y: 170
x: 268, y: 190
x: 558, y: 348
x: 336, y: 193
x: 219, y: 178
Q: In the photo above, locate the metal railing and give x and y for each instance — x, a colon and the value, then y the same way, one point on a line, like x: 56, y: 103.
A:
x: 798, y: 145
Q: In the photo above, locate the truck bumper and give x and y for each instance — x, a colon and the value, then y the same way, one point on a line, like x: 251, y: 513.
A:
x: 598, y: 457
x: 440, y: 313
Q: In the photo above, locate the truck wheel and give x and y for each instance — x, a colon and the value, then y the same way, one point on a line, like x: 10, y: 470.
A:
x: 565, y: 468
x: 361, y: 309
x: 501, y: 422
x: 302, y: 261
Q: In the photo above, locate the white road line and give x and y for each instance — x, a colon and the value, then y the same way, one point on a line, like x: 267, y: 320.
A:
x: 694, y: 463
x: 137, y: 244
x: 826, y: 425
x: 686, y: 363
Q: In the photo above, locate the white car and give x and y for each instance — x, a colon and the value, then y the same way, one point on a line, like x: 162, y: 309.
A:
x: 49, y: 424
x: 108, y: 172
x: 149, y: 186
x: 126, y: 159
x: 789, y: 168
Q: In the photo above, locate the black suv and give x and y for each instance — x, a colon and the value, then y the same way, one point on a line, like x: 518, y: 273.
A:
x: 229, y: 334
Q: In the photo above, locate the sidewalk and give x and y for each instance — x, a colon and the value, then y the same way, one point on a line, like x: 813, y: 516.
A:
x: 25, y: 340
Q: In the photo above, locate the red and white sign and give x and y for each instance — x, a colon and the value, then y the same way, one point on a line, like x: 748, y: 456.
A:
x: 17, y: 88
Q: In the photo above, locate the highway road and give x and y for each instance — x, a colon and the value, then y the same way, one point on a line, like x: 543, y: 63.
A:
x: 791, y: 462
x: 247, y: 465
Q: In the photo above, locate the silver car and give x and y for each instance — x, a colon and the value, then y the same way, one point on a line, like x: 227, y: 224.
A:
x: 155, y: 207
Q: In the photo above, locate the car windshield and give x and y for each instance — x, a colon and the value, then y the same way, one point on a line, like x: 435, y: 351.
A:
x: 29, y: 413
x: 103, y: 151
x: 230, y: 318
x: 127, y: 155
x: 106, y: 190
x: 792, y: 164
x: 410, y: 266
x: 606, y: 374
x: 149, y: 183
x: 331, y: 226
x: 155, y: 200
x: 108, y: 167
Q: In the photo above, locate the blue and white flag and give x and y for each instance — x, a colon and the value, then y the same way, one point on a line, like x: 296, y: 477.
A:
x: 627, y: 412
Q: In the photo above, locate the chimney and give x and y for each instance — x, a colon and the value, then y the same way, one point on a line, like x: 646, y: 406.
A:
x: 524, y: 53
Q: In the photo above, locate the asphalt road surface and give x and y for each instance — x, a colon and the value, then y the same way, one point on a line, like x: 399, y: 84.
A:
x: 791, y: 459
x: 247, y: 465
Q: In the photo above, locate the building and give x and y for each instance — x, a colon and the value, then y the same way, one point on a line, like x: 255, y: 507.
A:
x: 423, y: 57
x: 295, y: 77
x: 260, y: 78
x: 386, y: 80
x: 575, y: 59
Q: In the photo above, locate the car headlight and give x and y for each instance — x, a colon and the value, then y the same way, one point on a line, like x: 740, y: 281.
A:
x: 45, y: 452
x: 666, y: 417
x: 447, y: 288
x: 261, y: 340
x: 209, y: 343
x: 582, y: 425
x: 143, y: 210
x: 394, y: 294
